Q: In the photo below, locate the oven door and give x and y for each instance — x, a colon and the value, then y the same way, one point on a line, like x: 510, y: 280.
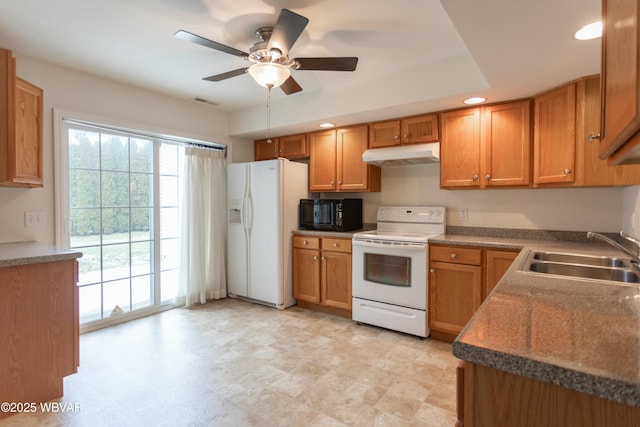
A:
x: 390, y: 272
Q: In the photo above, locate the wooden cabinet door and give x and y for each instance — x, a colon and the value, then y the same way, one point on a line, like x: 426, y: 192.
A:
x: 420, y: 129
x: 336, y: 279
x: 455, y: 293
x: 497, y: 263
x: 620, y: 78
x: 293, y: 146
x: 265, y: 150
x: 322, y: 164
x: 384, y: 134
x: 460, y: 148
x: 29, y: 133
x: 352, y: 172
x: 554, y: 137
x: 506, y: 144
x: 306, y: 274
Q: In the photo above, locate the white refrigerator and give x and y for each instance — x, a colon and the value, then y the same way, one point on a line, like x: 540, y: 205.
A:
x: 263, y: 200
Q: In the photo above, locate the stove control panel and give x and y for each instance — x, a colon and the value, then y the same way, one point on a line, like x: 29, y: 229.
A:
x: 423, y: 214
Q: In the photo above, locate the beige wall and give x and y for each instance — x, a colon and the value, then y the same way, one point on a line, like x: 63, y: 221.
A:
x: 575, y: 209
x: 71, y: 90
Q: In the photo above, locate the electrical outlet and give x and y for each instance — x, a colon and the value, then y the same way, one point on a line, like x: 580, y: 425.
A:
x: 463, y: 215
x: 34, y: 219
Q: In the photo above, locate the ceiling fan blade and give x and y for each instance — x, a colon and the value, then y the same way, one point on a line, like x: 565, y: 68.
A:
x: 227, y: 75
x: 328, y: 64
x: 290, y: 86
x: 287, y: 30
x: 194, y: 38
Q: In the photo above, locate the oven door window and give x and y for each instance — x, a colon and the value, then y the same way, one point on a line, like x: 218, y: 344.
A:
x: 389, y: 270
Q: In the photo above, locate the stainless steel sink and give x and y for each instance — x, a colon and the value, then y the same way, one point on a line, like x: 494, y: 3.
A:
x: 586, y: 272
x: 580, y: 259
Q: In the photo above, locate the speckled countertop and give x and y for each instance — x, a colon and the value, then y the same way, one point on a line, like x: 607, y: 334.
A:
x: 580, y: 334
x: 339, y: 234
x: 12, y: 254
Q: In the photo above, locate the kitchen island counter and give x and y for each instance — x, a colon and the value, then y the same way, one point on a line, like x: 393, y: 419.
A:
x: 14, y: 254
x: 580, y: 334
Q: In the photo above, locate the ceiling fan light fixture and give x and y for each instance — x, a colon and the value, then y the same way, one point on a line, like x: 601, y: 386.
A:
x: 268, y: 74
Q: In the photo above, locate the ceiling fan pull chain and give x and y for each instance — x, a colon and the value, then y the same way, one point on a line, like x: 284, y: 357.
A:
x: 269, y: 113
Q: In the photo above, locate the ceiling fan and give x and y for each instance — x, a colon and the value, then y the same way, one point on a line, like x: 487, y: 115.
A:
x: 270, y: 54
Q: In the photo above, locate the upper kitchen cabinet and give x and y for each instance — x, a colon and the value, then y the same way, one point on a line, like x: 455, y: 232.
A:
x: 410, y: 130
x: 554, y: 136
x: 21, y: 133
x: 486, y: 147
x: 335, y: 163
x: 565, y: 154
x: 620, y: 130
x: 265, y: 149
x: 290, y: 147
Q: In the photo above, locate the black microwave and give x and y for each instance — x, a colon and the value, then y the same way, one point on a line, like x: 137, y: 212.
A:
x: 330, y: 214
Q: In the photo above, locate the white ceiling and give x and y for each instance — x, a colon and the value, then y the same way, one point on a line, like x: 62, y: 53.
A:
x: 414, y: 55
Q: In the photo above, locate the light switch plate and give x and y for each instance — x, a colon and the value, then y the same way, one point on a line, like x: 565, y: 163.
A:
x: 34, y: 219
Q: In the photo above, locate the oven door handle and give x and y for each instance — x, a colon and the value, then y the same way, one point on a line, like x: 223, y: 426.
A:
x: 402, y: 246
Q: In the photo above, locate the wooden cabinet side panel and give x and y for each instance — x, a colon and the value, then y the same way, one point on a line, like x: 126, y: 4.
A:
x: 554, y: 136
x: 322, y: 163
x: 27, y: 163
x: 37, y: 309
x: 520, y: 401
x: 460, y: 148
x: 621, y: 85
x: 7, y: 111
x: 506, y: 144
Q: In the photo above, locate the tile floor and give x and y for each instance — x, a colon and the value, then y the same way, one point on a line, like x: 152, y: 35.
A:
x: 233, y: 363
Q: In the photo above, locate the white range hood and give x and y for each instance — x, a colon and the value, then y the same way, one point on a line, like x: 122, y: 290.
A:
x: 403, y: 155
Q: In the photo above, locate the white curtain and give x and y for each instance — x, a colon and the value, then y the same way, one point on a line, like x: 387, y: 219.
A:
x: 203, y: 234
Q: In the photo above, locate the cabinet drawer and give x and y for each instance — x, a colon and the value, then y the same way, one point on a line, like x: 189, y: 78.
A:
x: 307, y: 242
x: 456, y: 255
x: 336, y: 245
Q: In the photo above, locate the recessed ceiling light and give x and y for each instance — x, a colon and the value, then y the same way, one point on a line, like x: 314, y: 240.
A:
x: 327, y: 125
x: 591, y: 31
x: 474, y: 100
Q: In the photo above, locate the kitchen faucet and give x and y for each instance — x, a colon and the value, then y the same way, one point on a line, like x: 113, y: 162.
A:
x: 635, y: 256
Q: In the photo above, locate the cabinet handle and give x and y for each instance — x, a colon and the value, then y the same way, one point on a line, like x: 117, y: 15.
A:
x: 406, y: 135
x: 322, y: 258
x: 592, y: 136
x: 332, y: 182
x: 304, y: 242
x: 281, y: 150
x: 396, y: 137
x: 335, y: 245
x: 432, y: 270
x: 340, y: 182
x: 315, y: 257
x: 475, y: 177
x: 487, y: 177
x: 454, y: 255
x: 567, y: 171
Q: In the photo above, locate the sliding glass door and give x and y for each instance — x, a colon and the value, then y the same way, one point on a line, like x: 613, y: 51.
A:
x: 123, y: 210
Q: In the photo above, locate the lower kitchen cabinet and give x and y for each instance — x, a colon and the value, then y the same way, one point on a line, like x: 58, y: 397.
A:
x: 455, y: 288
x: 322, y: 273
x: 496, y: 264
x: 460, y: 278
x: 40, y: 330
x: 521, y: 401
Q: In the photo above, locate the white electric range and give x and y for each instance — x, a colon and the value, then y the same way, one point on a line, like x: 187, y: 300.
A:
x: 389, y: 264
